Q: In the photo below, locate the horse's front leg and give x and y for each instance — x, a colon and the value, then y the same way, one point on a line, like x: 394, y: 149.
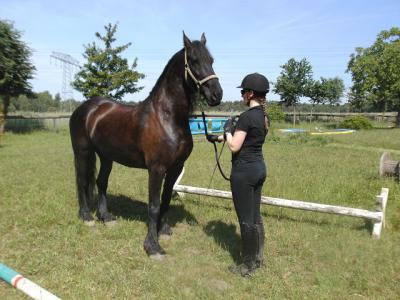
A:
x: 170, y: 179
x: 151, y: 245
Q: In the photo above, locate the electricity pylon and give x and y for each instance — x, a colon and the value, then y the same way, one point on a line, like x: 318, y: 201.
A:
x: 69, y: 64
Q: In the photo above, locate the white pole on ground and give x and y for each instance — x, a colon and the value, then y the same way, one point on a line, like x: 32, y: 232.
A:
x: 25, y: 285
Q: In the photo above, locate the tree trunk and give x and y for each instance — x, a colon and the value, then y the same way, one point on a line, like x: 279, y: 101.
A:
x: 294, y: 114
x: 398, y: 118
x: 3, y: 115
x: 2, y: 121
x: 312, y: 108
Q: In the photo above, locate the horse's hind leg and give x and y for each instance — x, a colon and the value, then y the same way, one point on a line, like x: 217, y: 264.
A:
x: 170, y: 179
x: 85, y: 165
x: 102, y: 184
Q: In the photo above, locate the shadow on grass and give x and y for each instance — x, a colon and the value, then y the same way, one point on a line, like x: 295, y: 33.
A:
x: 132, y: 209
x: 225, y: 236
x: 367, y: 225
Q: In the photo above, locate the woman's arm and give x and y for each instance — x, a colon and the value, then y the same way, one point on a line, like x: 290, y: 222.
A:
x: 234, y: 141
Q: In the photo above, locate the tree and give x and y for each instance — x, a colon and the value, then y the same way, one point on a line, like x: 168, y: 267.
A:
x: 15, y: 67
x: 316, y: 93
x: 333, y: 89
x: 106, y: 73
x: 376, y: 73
x: 294, y: 82
x: 325, y: 91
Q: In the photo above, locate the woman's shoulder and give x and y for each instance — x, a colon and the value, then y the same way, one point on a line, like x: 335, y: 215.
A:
x: 251, y: 111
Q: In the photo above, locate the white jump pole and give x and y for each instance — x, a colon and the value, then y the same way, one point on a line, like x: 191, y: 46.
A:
x: 378, y: 217
x: 25, y: 285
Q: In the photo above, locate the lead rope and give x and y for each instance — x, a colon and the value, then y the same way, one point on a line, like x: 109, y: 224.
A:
x: 215, y: 167
x: 215, y: 148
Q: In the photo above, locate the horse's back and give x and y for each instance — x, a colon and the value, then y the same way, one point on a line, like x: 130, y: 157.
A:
x: 78, y: 123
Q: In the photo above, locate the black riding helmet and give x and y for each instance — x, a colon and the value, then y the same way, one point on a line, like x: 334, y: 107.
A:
x: 255, y: 82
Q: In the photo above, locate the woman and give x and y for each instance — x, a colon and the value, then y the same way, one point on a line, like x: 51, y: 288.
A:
x: 248, y: 170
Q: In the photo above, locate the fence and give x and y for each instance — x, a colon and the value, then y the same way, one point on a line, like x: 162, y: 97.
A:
x: 215, y: 123
x: 383, y: 117
x: 19, y: 123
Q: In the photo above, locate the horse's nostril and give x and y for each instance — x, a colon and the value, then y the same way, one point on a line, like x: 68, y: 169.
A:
x: 217, y: 95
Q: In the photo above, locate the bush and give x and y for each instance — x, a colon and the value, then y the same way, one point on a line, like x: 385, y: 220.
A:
x: 275, y: 112
x: 356, y: 122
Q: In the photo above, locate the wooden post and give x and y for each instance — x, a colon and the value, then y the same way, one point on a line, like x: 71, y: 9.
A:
x: 180, y: 194
x: 381, y: 201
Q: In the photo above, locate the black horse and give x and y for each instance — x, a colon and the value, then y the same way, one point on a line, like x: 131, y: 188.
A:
x: 153, y: 135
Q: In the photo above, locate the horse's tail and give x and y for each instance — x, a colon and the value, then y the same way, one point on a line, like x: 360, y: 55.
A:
x: 84, y: 161
x: 85, y: 171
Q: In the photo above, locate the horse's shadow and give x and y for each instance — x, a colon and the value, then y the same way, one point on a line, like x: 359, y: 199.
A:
x: 225, y: 236
x: 132, y: 209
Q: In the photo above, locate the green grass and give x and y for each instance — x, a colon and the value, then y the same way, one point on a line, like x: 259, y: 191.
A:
x: 309, y: 255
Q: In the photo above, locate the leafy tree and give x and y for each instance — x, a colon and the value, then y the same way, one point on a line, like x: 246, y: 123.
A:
x: 15, y: 66
x: 275, y: 112
x: 325, y: 91
x: 294, y: 82
x: 376, y: 73
x: 43, y: 102
x: 316, y: 92
x: 333, y: 90
x: 106, y: 73
x: 57, y: 100
x: 21, y: 103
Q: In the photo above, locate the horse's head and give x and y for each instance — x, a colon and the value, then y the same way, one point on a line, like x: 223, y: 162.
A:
x: 199, y: 70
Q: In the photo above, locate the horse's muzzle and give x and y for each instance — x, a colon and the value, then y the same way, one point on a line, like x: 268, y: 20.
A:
x: 213, y: 94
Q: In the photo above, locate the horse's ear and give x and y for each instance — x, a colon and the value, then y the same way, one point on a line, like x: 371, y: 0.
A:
x: 186, y: 42
x: 203, y: 39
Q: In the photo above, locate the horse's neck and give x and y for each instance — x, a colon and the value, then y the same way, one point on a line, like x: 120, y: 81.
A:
x: 171, y: 95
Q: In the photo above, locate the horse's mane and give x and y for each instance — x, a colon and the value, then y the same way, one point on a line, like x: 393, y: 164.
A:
x: 170, y: 64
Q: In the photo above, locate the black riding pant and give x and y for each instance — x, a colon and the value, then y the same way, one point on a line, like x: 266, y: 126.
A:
x: 247, y: 179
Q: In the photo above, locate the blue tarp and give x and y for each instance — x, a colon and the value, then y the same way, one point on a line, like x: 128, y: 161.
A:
x: 214, y: 125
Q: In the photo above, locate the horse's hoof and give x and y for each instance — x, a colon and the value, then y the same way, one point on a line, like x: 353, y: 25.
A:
x: 89, y: 223
x: 157, y: 256
x: 110, y: 223
x: 106, y: 218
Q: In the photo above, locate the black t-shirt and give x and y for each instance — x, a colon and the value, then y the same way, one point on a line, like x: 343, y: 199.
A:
x: 251, y: 121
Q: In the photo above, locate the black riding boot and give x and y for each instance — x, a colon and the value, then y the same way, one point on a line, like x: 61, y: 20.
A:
x: 260, y: 251
x: 249, y: 250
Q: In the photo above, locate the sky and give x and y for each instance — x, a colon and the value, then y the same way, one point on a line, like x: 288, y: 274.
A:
x: 242, y: 36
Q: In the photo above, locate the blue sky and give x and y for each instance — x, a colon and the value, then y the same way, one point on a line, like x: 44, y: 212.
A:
x: 243, y: 36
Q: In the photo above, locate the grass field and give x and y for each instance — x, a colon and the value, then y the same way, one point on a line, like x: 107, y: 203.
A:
x: 308, y: 255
